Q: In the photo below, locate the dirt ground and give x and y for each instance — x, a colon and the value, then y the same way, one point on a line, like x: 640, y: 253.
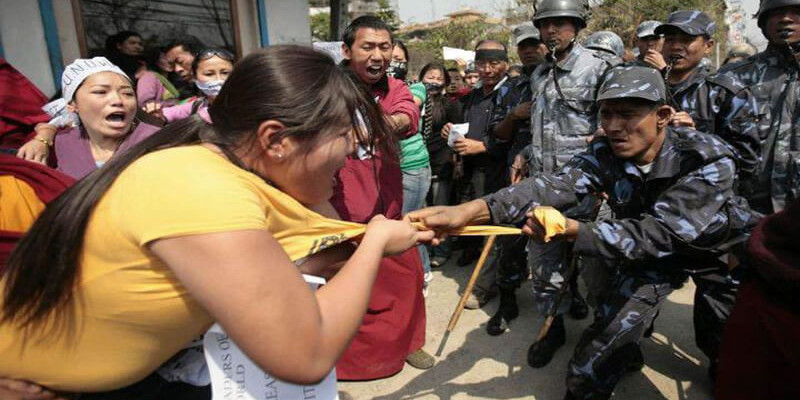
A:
x: 475, y: 365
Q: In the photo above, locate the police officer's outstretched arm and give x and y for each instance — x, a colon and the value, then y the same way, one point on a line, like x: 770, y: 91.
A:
x: 693, y: 206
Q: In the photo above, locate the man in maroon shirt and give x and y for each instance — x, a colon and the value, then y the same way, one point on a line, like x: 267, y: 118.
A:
x: 370, y: 183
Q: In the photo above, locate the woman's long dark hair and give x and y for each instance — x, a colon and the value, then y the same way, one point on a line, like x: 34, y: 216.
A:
x: 296, y: 85
x: 438, y: 112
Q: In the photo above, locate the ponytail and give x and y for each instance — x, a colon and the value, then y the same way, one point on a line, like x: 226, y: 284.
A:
x: 43, y: 269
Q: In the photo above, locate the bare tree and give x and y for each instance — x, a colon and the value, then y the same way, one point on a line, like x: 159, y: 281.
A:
x: 218, y: 15
x: 111, y: 16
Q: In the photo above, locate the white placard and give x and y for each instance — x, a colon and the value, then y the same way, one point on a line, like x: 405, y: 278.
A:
x: 459, y: 131
x: 235, y: 377
x: 334, y: 49
x: 452, y: 53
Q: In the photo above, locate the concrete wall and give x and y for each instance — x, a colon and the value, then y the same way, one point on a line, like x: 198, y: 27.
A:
x: 24, y: 43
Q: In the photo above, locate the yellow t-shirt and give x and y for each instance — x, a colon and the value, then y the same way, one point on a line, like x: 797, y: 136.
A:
x: 130, y: 312
x: 133, y: 312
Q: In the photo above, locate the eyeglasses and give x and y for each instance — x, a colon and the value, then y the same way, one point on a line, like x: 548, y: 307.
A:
x: 221, y: 53
x: 492, y: 63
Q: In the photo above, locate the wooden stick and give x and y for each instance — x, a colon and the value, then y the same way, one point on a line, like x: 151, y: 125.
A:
x: 551, y: 315
x: 487, y: 248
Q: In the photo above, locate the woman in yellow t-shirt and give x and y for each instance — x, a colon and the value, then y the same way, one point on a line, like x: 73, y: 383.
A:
x: 189, y: 227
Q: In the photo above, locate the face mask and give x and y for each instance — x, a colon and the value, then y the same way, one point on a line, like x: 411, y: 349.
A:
x: 397, y: 70
x: 434, y: 87
x: 211, y: 88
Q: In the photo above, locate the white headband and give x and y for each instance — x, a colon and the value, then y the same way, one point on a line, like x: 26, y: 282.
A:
x: 82, y: 68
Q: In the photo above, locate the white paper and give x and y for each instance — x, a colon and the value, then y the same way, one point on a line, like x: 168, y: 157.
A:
x: 334, y: 49
x: 235, y: 377
x: 459, y: 131
x: 452, y: 53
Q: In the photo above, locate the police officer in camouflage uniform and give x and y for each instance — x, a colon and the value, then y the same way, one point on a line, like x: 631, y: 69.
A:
x: 563, y: 115
x: 712, y: 103
x: 671, y: 190
x: 649, y: 44
x: 717, y: 104
x: 606, y: 41
x: 772, y: 77
x: 511, y: 122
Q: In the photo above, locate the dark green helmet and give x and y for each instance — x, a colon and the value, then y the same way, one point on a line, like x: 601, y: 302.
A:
x: 576, y: 9
x: 769, y: 5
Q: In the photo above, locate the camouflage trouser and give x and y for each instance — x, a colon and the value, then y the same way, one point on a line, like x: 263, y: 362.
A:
x: 628, y: 308
x: 625, y: 312
x: 512, y: 264
x: 549, y: 263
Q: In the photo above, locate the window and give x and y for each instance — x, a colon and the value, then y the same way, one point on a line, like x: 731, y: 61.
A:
x: 158, y: 21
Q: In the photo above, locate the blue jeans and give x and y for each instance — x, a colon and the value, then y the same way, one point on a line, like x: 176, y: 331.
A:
x: 416, y: 183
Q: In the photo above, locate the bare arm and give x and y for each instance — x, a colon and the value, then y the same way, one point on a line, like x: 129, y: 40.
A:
x: 400, y: 123
x: 246, y: 282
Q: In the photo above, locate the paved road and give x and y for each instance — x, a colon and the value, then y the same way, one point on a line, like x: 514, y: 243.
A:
x: 475, y: 365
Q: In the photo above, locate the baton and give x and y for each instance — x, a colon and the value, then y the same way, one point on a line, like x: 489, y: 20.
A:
x: 472, y: 279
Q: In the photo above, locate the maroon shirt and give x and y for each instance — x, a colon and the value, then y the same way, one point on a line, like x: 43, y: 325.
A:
x: 394, y: 325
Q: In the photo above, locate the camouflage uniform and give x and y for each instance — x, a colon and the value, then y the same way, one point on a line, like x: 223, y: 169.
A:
x: 772, y: 78
x: 559, y: 128
x: 718, y: 104
x: 511, y: 265
x: 686, y: 199
x: 681, y: 215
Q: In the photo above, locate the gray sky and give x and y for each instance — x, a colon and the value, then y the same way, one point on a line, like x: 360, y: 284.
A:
x: 421, y: 11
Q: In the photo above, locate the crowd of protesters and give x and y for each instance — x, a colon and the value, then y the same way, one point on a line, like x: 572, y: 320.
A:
x: 164, y: 190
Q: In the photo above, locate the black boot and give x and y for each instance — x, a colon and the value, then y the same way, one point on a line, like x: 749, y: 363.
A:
x: 506, y: 312
x: 541, y: 352
x: 635, y: 358
x: 468, y: 256
x: 578, y: 309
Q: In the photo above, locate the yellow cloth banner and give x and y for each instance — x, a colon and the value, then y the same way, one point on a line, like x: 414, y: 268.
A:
x: 552, y: 220
x: 321, y: 233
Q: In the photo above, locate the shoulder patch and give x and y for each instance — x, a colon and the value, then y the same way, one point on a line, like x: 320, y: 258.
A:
x: 705, y: 145
x: 743, y: 63
x: 726, y: 81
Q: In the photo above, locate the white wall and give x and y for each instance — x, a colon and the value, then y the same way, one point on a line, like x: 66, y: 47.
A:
x: 24, y: 43
x: 67, y: 32
x: 248, y: 26
x: 288, y: 21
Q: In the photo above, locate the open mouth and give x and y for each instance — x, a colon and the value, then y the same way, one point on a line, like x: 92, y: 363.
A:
x: 375, y: 70
x: 116, y: 118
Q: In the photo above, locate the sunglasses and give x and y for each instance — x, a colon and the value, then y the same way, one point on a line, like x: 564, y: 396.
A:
x: 221, y: 53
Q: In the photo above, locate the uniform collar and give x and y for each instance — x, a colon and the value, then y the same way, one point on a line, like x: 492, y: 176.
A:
x: 698, y: 75
x: 572, y: 58
x: 665, y: 165
x: 781, y: 54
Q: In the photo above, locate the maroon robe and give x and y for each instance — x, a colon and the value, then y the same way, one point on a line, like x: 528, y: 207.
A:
x: 20, y: 107
x: 394, y: 325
